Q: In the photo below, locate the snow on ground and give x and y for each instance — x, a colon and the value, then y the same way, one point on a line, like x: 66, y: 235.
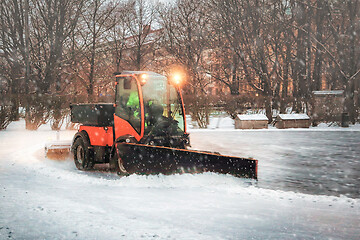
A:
x: 46, y: 199
x: 312, y: 160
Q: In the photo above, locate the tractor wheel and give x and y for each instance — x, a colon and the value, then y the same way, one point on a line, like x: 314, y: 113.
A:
x: 116, y: 165
x: 116, y: 162
x: 121, y: 170
x: 83, y: 156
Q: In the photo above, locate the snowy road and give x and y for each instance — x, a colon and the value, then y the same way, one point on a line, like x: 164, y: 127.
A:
x: 307, y: 161
x: 44, y: 199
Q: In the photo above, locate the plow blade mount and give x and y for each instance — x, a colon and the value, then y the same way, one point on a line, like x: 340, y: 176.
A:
x: 58, y: 150
x: 147, y: 159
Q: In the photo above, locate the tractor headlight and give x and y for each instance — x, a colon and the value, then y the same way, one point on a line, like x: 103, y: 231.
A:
x: 176, y: 78
x: 143, y: 78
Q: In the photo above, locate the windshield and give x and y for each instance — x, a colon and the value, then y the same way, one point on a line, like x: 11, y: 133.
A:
x: 162, y: 104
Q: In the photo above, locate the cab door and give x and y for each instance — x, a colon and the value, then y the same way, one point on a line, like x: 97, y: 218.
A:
x: 129, y: 109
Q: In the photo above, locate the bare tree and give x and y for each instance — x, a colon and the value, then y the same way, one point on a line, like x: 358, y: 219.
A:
x: 223, y: 63
x: 281, y: 43
x: 302, y: 11
x: 320, y: 16
x: 12, y: 49
x: 96, y: 20
x: 53, y: 22
x: 140, y: 42
x: 245, y: 25
x: 345, y: 31
x: 339, y: 47
x: 186, y: 28
x: 118, y: 36
x: 5, y: 111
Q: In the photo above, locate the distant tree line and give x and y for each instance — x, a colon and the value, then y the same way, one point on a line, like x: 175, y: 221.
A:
x: 53, y: 52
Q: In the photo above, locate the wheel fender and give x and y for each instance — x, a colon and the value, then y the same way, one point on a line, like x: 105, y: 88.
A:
x: 126, y: 138
x: 84, y: 135
x: 114, y: 153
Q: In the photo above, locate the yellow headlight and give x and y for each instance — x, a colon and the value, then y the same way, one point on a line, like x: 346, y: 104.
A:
x: 143, y: 78
x: 177, y: 79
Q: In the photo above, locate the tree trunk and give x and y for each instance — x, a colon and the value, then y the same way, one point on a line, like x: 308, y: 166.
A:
x: 350, y: 89
x: 14, y: 114
x: 300, y: 78
x: 235, y: 84
x: 285, y: 83
x: 268, y: 108
x: 234, y: 89
x: 138, y: 59
x: 27, y: 52
x: 14, y: 91
x: 319, y: 21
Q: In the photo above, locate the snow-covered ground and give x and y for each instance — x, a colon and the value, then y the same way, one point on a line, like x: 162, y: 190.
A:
x: 307, y: 189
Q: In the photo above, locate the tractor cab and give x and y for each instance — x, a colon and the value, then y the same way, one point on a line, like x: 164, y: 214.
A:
x: 149, y: 107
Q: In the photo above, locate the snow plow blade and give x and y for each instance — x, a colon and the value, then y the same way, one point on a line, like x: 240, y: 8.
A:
x: 59, y: 150
x: 147, y: 159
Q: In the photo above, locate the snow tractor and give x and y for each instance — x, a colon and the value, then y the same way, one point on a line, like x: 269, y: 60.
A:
x: 144, y: 132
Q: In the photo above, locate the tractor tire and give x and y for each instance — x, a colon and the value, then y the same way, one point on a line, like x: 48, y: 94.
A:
x: 116, y: 165
x: 121, y: 170
x: 116, y: 162
x: 83, y: 155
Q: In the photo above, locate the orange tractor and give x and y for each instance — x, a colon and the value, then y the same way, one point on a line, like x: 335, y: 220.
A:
x: 144, y: 132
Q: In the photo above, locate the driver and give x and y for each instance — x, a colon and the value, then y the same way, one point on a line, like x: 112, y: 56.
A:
x: 154, y: 113
x: 133, y: 103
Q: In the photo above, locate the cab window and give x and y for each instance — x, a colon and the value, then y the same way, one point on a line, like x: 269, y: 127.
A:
x: 128, y: 102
